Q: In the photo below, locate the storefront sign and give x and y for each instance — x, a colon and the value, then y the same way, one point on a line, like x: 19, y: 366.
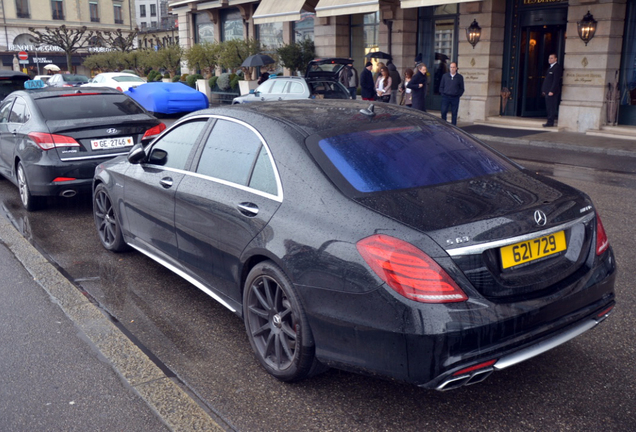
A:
x: 584, y: 78
x: 536, y: 2
x: 29, y: 47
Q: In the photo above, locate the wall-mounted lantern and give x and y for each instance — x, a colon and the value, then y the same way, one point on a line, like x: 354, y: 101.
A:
x: 586, y: 27
x: 473, y: 33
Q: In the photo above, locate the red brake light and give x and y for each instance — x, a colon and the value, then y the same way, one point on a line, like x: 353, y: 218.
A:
x: 48, y: 141
x: 602, y: 242
x: 119, y: 88
x: 154, y: 131
x: 63, y: 179
x: 409, y: 271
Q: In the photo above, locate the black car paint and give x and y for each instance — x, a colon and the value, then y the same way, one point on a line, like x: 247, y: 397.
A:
x: 357, y: 322
x: 75, y: 162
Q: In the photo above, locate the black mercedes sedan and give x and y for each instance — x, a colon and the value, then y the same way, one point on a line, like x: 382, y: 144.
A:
x: 373, y: 239
x: 51, y: 139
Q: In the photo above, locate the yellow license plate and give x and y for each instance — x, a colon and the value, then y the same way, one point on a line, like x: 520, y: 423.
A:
x: 531, y: 250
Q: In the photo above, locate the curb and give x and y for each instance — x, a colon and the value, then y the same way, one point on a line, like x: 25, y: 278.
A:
x: 558, y: 145
x: 163, y: 395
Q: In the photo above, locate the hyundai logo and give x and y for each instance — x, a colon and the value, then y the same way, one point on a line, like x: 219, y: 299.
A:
x: 540, y: 218
x: 112, y: 131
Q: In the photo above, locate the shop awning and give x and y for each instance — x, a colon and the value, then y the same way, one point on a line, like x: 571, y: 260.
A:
x: 406, y: 4
x: 277, y: 11
x: 327, y: 8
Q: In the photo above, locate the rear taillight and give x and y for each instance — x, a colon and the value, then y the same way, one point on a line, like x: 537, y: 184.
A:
x: 602, y: 243
x: 48, y: 141
x: 409, y: 271
x: 119, y: 88
x: 154, y: 131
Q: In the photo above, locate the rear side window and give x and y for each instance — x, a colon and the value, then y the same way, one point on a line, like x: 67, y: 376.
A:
x: 406, y: 157
x: 127, y: 79
x: 87, y: 106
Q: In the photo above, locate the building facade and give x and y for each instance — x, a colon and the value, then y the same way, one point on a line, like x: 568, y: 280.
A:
x: 18, y: 15
x: 503, y: 71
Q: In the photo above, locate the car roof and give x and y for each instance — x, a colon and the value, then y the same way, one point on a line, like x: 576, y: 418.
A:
x: 111, y: 74
x: 315, y: 115
x: 12, y: 74
x: 60, y: 91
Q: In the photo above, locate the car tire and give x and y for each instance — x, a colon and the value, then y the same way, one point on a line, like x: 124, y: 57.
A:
x: 30, y: 202
x: 107, y: 221
x: 277, y: 326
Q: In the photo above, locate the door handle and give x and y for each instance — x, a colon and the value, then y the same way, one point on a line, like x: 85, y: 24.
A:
x: 280, y: 98
x: 166, y: 182
x: 248, y: 209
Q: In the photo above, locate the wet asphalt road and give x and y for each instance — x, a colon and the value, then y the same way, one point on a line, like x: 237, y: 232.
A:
x: 587, y: 384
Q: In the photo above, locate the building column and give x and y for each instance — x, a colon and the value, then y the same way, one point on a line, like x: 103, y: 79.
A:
x: 331, y: 36
x: 482, y: 65
x: 588, y: 69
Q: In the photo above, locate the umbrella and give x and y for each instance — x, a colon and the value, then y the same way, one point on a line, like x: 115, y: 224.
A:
x: 52, y: 67
x: 380, y: 55
x: 258, y: 60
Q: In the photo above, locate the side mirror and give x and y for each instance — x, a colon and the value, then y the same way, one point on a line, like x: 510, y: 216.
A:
x: 252, y: 91
x: 137, y: 154
x: 257, y: 93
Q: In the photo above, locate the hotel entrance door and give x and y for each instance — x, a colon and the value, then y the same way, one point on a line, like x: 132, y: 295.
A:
x: 542, y: 34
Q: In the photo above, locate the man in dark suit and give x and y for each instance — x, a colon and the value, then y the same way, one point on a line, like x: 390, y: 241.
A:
x: 419, y: 86
x: 451, y: 88
x: 551, y: 88
x: 366, y: 82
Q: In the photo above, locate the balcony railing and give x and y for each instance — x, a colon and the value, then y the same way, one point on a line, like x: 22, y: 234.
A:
x: 94, y: 19
x: 57, y: 15
x: 119, y: 21
x: 23, y: 14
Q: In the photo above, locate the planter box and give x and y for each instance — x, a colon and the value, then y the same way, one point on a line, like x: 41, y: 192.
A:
x: 204, y: 87
x: 246, y: 86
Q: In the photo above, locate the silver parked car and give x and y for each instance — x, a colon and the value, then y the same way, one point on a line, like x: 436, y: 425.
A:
x: 320, y: 82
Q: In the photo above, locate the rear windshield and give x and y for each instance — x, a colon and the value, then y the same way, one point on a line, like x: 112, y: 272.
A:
x: 406, y: 157
x: 75, y: 78
x: 87, y: 106
x: 124, y: 78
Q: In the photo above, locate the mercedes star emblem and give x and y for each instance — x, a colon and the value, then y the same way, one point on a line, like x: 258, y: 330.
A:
x: 540, y: 217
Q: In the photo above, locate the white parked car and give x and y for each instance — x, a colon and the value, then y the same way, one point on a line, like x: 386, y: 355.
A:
x: 43, y: 78
x: 118, y: 80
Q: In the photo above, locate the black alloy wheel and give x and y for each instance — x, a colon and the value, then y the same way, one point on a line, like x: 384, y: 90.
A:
x: 29, y: 202
x: 107, y: 222
x: 277, y: 326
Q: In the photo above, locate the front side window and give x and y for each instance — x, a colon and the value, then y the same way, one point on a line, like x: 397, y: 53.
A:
x: 57, y: 9
x: 173, y: 148
x: 94, y: 10
x: 5, y: 111
x: 119, y: 18
x: 230, y: 153
x: 265, y: 87
x: 22, y: 8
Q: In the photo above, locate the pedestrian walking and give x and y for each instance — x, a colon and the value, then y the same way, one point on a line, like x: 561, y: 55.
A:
x: 349, y: 78
x: 551, y: 88
x: 419, y: 87
x: 451, y: 88
x: 406, y: 97
x: 366, y: 83
x: 395, y: 81
x: 383, y: 85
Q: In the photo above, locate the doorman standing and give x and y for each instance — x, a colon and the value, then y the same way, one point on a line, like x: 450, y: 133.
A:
x: 551, y: 88
x: 451, y: 88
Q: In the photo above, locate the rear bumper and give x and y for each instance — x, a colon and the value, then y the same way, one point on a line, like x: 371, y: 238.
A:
x: 427, y: 345
x: 41, y: 177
